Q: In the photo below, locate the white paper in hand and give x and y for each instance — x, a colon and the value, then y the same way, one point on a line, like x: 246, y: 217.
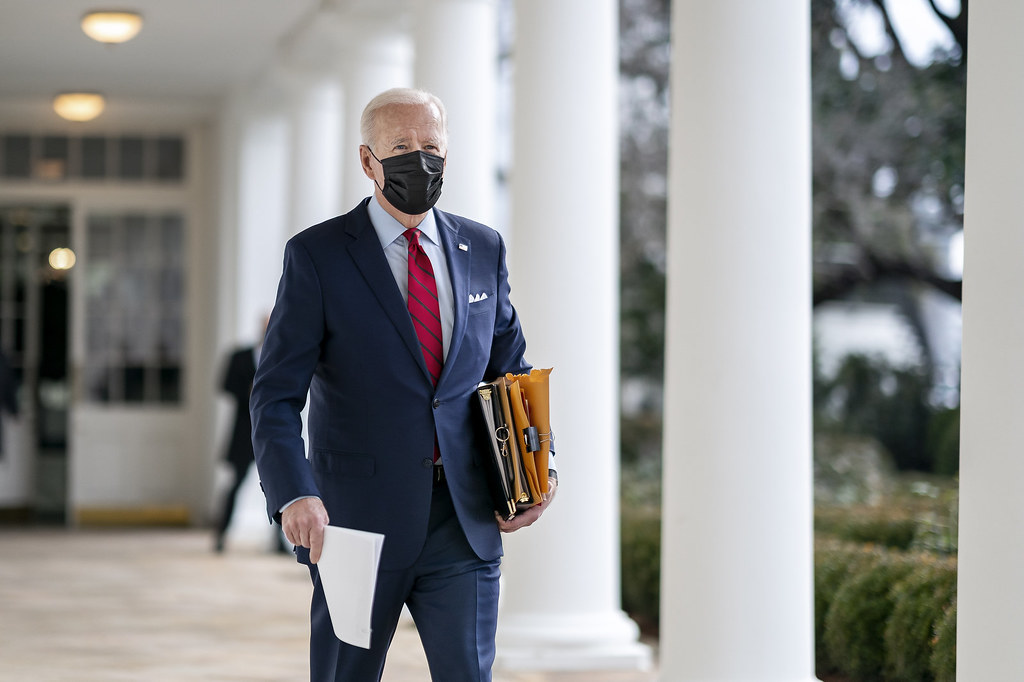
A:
x: 348, y: 571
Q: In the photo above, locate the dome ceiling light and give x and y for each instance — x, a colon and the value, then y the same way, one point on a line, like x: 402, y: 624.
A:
x: 79, y: 106
x: 112, y: 26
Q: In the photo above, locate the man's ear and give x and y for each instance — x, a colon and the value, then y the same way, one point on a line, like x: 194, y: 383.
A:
x: 365, y: 159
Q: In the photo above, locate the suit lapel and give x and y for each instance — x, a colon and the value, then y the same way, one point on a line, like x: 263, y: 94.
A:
x: 457, y: 252
x: 369, y: 257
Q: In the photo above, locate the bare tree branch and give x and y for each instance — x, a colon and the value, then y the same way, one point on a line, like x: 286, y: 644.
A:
x: 874, y: 268
x: 889, y: 30
x: 957, y: 25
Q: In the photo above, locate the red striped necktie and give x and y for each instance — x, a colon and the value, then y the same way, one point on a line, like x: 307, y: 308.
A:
x: 423, y: 305
x: 425, y: 310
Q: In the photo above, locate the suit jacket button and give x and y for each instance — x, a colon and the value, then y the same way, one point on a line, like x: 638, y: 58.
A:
x: 427, y: 462
x: 437, y: 403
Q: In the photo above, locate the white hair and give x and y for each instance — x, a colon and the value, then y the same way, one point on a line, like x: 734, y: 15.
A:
x: 399, y: 96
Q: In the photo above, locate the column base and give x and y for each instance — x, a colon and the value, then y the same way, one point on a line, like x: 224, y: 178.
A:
x: 570, y: 642
x: 812, y: 678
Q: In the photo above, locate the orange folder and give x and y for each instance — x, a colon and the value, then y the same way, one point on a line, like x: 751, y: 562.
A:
x: 516, y: 412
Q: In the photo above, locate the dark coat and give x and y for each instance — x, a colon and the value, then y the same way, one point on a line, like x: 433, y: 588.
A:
x: 238, y: 383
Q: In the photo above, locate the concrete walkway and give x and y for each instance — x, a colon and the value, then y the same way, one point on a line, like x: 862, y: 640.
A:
x: 160, y: 606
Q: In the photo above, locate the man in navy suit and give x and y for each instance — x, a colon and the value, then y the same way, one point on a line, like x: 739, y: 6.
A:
x: 393, y: 446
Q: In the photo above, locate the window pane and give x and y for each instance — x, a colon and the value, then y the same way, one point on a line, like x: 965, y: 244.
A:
x: 172, y: 339
x: 171, y: 289
x: 170, y: 384
x: 94, y: 157
x: 135, y: 239
x: 134, y: 384
x: 53, y: 163
x: 141, y: 340
x: 55, y: 147
x: 98, y: 383
x: 131, y: 158
x: 17, y: 156
x: 101, y: 237
x: 134, y: 307
x: 170, y: 158
x: 19, y: 338
x: 98, y: 340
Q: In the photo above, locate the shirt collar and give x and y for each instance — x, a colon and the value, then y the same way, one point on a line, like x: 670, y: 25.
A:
x: 388, y: 229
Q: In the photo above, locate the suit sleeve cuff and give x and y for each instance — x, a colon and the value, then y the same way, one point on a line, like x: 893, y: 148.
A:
x: 288, y: 504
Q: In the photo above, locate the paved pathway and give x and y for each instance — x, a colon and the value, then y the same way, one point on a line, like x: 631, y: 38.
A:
x: 160, y: 606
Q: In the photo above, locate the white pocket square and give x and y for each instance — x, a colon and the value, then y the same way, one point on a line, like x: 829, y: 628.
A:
x: 476, y: 298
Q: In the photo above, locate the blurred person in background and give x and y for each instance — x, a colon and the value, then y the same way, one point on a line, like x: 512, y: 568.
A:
x: 237, y: 383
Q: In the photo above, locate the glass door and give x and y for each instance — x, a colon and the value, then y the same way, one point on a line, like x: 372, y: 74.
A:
x: 35, y: 262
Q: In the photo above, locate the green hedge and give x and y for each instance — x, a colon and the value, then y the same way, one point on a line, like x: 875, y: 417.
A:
x: 894, y: 528
x: 881, y: 614
x: 943, y: 658
x: 641, y: 565
x: 884, y: 615
x: 834, y: 563
x: 921, y: 601
x: 923, y: 518
x: 856, y: 620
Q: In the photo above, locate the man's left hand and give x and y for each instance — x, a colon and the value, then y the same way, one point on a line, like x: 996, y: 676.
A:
x: 528, y: 517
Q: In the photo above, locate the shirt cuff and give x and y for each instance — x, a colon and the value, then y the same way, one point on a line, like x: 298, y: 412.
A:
x: 285, y: 506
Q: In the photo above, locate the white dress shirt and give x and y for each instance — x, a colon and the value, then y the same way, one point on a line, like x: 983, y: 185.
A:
x: 396, y: 248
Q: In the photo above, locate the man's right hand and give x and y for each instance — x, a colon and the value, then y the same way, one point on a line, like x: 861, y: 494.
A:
x: 303, y: 522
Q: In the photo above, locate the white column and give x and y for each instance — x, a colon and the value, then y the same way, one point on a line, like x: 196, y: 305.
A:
x: 311, y: 56
x: 456, y: 59
x: 262, y: 216
x: 990, y: 591
x: 255, y: 256
x: 375, y: 57
x: 315, y: 120
x: 230, y: 133
x: 736, y: 597
x: 561, y: 604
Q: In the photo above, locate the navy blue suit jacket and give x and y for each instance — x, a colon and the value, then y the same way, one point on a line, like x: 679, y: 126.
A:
x: 340, y: 328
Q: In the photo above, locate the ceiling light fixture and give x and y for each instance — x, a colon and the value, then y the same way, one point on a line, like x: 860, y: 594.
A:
x: 112, y: 26
x: 79, y: 106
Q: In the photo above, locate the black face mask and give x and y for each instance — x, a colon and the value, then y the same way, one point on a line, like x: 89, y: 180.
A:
x: 412, y: 182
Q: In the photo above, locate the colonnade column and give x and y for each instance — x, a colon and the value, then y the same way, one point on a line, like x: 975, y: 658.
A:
x: 316, y: 133
x: 261, y: 156
x: 991, y: 555
x: 230, y: 135
x: 375, y: 57
x: 461, y: 69
x: 263, y: 212
x: 737, y: 560
x: 561, y: 602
